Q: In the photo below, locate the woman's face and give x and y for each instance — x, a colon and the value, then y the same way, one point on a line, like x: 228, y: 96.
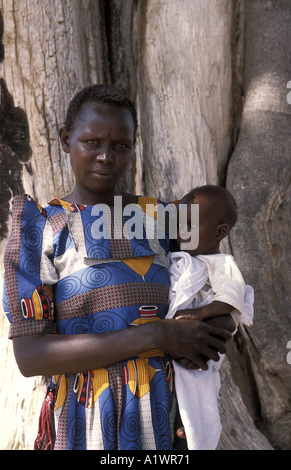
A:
x: 101, y: 145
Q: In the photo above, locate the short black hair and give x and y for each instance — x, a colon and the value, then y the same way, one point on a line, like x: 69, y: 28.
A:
x: 102, y: 94
x: 222, y: 199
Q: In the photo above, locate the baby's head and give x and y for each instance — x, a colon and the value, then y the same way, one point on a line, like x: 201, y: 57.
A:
x: 217, y: 216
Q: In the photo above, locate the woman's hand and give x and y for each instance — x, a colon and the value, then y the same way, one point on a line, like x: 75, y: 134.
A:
x: 215, y: 314
x: 193, y: 343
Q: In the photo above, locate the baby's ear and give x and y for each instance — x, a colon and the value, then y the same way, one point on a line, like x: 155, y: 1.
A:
x: 222, y: 231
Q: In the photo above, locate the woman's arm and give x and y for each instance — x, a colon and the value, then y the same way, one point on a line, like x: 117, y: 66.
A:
x: 63, y: 354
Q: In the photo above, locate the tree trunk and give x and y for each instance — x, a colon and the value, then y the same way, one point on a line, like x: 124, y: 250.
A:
x: 182, y: 62
x: 184, y: 72
x: 259, y: 175
x: 52, y: 50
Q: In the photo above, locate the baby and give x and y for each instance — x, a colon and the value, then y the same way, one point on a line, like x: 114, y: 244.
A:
x: 210, y: 282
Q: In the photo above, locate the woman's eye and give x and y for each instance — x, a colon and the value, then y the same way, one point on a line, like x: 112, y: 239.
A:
x: 121, y: 146
x: 92, y: 142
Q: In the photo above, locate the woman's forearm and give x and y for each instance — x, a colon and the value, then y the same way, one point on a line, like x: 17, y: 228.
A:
x: 64, y: 354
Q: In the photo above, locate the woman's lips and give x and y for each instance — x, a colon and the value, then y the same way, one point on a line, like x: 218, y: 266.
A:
x: 102, y: 174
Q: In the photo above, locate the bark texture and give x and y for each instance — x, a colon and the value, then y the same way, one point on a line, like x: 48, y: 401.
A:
x: 259, y: 175
x: 184, y: 69
x: 52, y: 50
x: 209, y: 81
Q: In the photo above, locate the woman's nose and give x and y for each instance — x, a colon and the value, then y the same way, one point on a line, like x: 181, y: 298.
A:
x: 105, y: 155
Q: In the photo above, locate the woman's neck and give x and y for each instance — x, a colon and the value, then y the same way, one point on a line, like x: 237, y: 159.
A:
x: 88, y: 198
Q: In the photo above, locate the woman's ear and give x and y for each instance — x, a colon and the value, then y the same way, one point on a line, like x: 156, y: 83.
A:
x: 65, y: 139
x: 222, y: 231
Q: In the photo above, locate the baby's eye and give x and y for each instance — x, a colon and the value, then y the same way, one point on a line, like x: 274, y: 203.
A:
x: 92, y: 142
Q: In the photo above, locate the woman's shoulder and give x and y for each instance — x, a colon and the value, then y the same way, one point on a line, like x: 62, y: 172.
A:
x: 27, y: 207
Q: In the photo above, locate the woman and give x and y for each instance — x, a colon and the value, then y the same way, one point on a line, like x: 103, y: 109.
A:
x: 74, y: 299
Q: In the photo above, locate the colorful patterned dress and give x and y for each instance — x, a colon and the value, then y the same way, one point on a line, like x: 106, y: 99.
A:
x: 61, y: 279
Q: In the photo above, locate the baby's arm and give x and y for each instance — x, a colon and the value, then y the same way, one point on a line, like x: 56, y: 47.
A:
x: 215, y: 309
x: 216, y: 313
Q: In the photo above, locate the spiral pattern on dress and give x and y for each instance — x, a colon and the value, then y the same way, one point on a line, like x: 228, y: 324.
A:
x: 165, y: 443
x: 161, y: 419
x: 32, y: 237
x: 77, y: 327
x: 91, y: 237
x: 77, y: 432
x: 130, y: 426
x: 30, y: 263
x: 69, y: 287
x: 98, y: 252
x: 101, y: 323
x: 88, y: 234
x: 109, y: 426
x: 96, y: 277
x: 141, y: 251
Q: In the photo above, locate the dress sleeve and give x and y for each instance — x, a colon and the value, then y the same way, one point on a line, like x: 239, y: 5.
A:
x: 225, y: 279
x: 228, y: 286
x: 27, y: 298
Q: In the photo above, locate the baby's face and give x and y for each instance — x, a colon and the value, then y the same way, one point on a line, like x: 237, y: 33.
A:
x: 208, y: 222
